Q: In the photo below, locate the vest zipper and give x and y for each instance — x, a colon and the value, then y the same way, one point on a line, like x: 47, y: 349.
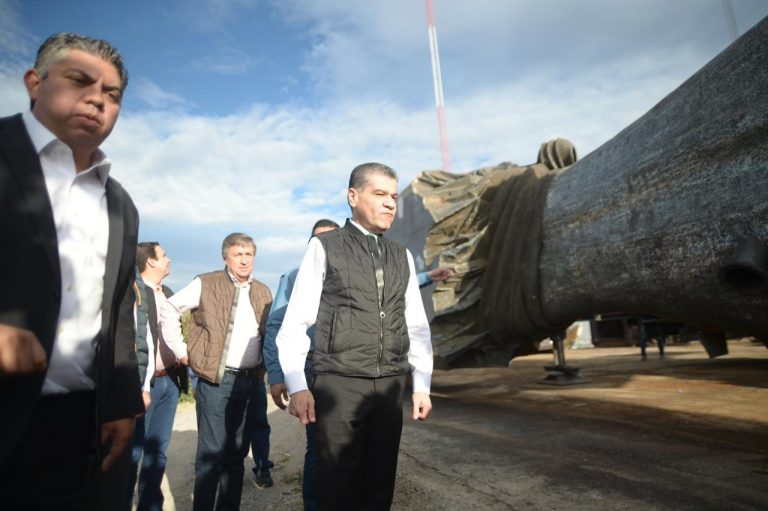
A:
x: 381, y: 339
x: 382, y: 315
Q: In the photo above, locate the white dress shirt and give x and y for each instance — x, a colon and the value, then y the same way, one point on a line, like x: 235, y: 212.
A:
x: 293, y: 342
x: 147, y: 384
x: 82, y: 229
x: 245, y: 341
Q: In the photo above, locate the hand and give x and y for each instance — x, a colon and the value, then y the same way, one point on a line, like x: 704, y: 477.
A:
x: 440, y: 274
x: 184, y: 360
x: 20, y: 352
x: 120, y: 432
x: 279, y: 394
x: 147, y: 400
x: 422, y: 405
x: 291, y: 409
x: 303, y: 405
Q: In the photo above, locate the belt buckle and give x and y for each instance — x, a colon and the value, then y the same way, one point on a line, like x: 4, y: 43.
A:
x: 243, y: 372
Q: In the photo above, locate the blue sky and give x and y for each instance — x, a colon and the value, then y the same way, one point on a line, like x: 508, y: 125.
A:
x: 248, y: 115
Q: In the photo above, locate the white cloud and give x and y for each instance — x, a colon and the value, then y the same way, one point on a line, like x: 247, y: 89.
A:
x: 213, y: 15
x: 276, y: 170
x: 151, y: 95
x: 17, y: 50
x: 380, y: 49
x: 15, y: 41
x: 14, y: 97
x: 516, y: 73
x: 229, y: 61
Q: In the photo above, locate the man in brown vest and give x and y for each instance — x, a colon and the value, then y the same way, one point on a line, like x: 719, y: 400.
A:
x: 229, y: 316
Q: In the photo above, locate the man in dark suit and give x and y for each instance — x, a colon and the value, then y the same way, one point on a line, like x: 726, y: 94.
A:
x: 69, y: 385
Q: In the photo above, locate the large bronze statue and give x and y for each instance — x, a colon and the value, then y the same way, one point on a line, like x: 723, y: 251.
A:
x: 669, y: 218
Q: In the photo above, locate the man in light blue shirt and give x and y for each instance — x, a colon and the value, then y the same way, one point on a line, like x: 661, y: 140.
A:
x: 276, y: 379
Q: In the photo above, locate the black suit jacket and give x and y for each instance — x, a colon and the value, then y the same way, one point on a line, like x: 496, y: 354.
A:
x: 30, y: 287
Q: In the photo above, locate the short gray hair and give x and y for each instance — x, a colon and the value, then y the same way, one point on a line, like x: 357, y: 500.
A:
x: 236, y: 239
x: 360, y: 174
x: 58, y: 45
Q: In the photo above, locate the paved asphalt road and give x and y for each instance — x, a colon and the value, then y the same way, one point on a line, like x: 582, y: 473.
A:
x: 674, y: 434
x: 683, y: 433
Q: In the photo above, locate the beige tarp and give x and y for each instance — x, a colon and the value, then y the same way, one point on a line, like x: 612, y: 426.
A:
x: 469, y: 216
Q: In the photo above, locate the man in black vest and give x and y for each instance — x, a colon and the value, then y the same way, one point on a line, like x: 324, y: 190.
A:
x: 68, y: 375
x: 360, y: 291
x: 169, y: 379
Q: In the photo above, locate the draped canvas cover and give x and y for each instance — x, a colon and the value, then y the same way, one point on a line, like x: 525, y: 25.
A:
x: 481, y: 224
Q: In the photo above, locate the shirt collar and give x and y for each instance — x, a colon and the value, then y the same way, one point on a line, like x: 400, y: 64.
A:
x: 156, y: 286
x: 363, y: 229
x: 42, y: 139
x: 237, y: 282
x: 40, y: 135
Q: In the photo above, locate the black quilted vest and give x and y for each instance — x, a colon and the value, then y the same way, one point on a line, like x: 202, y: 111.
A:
x: 355, y: 336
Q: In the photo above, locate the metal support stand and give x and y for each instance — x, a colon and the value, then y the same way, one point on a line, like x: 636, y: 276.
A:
x: 561, y: 374
x: 715, y: 344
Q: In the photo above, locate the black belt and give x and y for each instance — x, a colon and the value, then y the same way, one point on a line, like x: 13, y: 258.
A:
x: 254, y: 371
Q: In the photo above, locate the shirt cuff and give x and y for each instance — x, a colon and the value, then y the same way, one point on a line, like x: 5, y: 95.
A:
x: 275, y: 378
x: 421, y: 382
x: 296, y: 382
x: 180, y: 352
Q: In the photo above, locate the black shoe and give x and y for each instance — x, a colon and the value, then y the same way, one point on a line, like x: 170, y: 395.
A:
x: 263, y: 478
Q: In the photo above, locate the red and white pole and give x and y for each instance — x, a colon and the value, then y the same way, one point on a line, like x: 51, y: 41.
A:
x: 438, y: 84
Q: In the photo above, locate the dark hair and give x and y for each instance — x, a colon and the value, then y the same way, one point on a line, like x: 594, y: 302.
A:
x: 360, y: 174
x: 324, y: 222
x: 144, y: 251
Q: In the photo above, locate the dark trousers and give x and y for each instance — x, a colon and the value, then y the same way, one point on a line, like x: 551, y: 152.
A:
x: 150, y: 445
x: 651, y: 332
x: 309, y: 481
x: 108, y: 489
x: 261, y: 429
x: 357, y: 438
x: 53, y: 464
x: 226, y: 414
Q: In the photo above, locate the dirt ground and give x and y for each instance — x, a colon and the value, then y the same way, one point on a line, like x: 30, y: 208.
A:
x: 680, y: 433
